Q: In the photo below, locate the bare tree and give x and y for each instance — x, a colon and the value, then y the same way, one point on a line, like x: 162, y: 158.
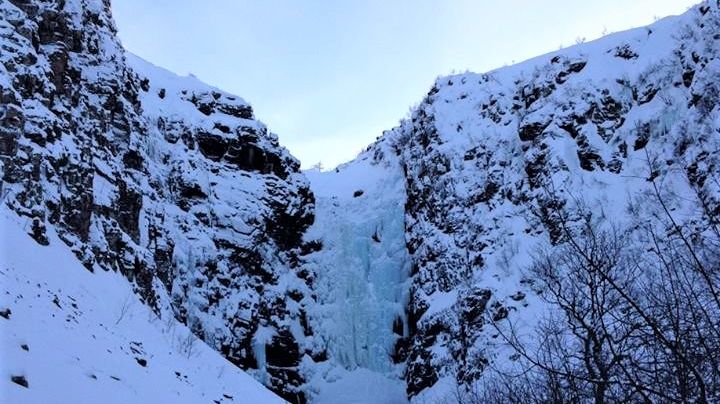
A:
x: 634, y: 311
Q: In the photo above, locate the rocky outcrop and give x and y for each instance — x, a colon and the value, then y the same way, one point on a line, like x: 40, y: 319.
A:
x: 167, y: 180
x: 489, y: 157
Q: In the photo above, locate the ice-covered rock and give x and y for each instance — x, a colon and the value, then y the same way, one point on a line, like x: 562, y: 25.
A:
x: 482, y: 153
x: 167, y: 180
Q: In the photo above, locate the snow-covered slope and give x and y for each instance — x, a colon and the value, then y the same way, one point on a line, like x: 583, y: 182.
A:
x: 77, y: 337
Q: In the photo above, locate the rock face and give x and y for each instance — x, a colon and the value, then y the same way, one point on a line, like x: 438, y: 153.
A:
x: 162, y: 178
x: 483, y: 152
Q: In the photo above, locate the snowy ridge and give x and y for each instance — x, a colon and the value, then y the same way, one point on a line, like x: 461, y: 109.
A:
x: 482, y: 150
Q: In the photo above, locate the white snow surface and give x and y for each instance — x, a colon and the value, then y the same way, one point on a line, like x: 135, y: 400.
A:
x: 85, y: 332
x: 360, y: 386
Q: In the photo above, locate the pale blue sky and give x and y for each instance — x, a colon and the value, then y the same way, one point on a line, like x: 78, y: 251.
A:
x: 330, y: 76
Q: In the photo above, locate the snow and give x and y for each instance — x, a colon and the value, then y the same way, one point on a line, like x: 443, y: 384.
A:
x: 86, y: 334
x: 178, y: 91
x: 444, y: 391
x: 361, y: 386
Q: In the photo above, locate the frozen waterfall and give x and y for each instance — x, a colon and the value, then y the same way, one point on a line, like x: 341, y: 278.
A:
x: 363, y: 267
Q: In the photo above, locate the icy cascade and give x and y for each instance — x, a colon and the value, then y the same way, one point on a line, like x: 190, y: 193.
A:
x: 362, y: 268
